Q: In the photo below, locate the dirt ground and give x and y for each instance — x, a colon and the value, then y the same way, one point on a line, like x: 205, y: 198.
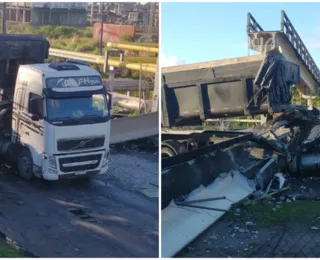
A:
x: 105, y: 217
x: 278, y: 227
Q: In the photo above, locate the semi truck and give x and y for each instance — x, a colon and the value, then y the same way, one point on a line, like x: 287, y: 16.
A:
x: 54, y: 117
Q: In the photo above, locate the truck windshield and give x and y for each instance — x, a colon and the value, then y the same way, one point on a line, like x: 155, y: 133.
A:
x: 92, y: 108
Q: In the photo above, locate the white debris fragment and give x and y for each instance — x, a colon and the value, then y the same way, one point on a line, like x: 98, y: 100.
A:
x: 314, y: 228
x: 214, y: 237
x: 249, y: 223
x: 280, y: 179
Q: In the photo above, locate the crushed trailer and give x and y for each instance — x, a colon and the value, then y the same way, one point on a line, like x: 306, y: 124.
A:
x: 198, y: 165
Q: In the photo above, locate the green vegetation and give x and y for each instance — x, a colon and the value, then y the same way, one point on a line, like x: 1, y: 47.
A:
x: 68, y: 37
x: 9, y: 251
x: 80, y: 40
x: 308, y: 213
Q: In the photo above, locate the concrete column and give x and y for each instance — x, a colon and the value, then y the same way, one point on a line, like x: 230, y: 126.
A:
x: 155, y: 97
x: 17, y: 14
x: 23, y: 16
x: 50, y: 15
x: 10, y: 15
x: 111, y: 83
x: 111, y: 78
x: 91, y: 12
x: 310, y: 103
x: 263, y: 120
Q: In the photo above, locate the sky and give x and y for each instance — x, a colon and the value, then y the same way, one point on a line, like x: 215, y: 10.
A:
x: 197, y: 32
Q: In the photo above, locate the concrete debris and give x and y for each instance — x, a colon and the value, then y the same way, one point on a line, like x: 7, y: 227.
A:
x: 249, y: 223
x: 233, y: 235
x: 288, y: 200
x: 314, y: 228
x: 20, y: 202
x: 255, y: 232
x: 237, y: 212
x: 280, y: 179
x: 282, y: 197
x: 214, y: 237
x: 243, y: 230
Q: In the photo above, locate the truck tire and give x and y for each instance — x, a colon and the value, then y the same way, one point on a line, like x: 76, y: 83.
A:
x: 25, y: 164
x: 167, y: 152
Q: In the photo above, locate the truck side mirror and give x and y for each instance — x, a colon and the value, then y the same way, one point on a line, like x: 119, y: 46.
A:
x: 35, y: 117
x: 109, y: 99
x: 36, y: 108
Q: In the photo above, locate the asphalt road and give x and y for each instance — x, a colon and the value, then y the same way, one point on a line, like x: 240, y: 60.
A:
x: 101, y: 218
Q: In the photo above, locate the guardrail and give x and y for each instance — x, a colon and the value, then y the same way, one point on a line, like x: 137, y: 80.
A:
x: 151, y: 68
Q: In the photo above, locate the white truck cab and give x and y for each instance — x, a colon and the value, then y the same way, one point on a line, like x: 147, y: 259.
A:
x: 61, y: 118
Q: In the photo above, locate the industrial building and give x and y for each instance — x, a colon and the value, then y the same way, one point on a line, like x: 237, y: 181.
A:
x: 42, y: 13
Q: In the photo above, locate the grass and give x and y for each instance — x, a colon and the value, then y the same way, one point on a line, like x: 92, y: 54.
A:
x: 306, y: 212
x: 9, y: 251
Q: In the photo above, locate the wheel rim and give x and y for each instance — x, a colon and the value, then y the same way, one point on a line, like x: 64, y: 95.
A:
x: 25, y: 167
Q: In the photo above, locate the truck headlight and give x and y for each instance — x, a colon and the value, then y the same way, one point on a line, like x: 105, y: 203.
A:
x: 52, y: 162
x: 105, y: 159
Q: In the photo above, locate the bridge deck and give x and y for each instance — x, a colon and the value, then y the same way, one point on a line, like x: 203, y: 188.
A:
x: 289, y: 44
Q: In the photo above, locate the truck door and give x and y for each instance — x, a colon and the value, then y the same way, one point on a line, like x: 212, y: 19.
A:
x: 30, y: 131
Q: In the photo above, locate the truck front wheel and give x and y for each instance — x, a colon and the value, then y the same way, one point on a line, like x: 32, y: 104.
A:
x: 25, y: 164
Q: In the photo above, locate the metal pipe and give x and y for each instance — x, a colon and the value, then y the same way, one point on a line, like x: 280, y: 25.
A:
x: 151, y: 68
x: 201, y: 200
x: 208, y: 208
x: 132, y: 47
x: 61, y: 53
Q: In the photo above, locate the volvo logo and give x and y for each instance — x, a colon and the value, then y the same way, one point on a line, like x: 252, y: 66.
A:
x: 81, y: 144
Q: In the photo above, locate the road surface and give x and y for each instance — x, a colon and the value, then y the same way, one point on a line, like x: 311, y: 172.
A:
x: 102, y: 218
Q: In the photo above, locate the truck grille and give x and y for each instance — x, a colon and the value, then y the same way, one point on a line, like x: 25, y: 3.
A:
x: 93, y: 162
x: 79, y: 144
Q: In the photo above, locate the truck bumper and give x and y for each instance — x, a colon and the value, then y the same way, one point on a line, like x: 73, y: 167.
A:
x: 76, y: 169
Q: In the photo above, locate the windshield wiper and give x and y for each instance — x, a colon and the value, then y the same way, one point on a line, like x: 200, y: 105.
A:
x: 93, y: 116
x: 75, y: 120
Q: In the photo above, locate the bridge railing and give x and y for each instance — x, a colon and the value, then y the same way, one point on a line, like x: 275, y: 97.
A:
x: 293, y: 38
x: 298, y: 45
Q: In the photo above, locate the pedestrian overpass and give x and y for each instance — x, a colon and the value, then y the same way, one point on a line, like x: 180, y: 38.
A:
x: 288, y: 43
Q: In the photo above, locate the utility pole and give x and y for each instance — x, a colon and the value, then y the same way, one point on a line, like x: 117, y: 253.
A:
x: 101, y: 30
x: 4, y: 18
